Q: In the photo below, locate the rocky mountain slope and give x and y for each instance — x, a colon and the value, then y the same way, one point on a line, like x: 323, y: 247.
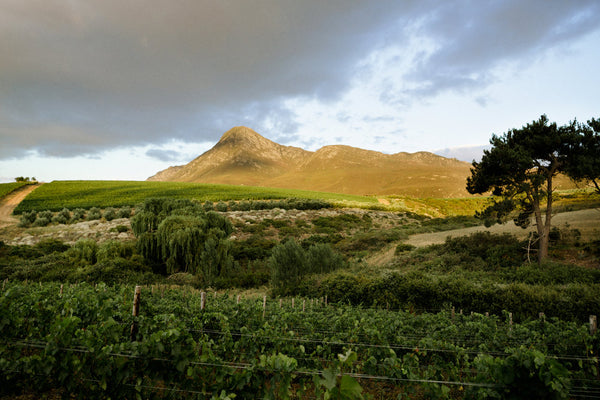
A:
x: 243, y: 157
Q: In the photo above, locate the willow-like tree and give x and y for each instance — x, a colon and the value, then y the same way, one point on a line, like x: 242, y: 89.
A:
x: 519, y: 171
x: 182, y: 237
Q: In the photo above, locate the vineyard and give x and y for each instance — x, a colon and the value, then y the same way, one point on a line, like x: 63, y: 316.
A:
x: 82, y: 340
x: 6, y: 188
x: 87, y: 194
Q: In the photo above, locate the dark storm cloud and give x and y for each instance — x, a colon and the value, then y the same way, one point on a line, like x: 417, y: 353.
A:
x: 81, y: 77
x: 143, y: 71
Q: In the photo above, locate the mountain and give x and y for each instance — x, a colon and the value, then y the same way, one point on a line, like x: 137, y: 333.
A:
x: 243, y: 157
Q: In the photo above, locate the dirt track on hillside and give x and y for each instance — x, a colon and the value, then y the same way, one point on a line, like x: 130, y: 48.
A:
x: 10, y: 202
x: 586, y: 221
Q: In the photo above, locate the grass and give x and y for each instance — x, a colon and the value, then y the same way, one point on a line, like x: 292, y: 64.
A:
x: 86, y: 194
x: 7, y: 188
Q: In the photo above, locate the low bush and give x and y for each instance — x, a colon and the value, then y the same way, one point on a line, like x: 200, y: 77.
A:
x: 94, y: 213
x: 124, y: 212
x: 42, y: 221
x: 78, y: 215
x: 27, y: 218
x: 109, y: 214
x: 290, y: 263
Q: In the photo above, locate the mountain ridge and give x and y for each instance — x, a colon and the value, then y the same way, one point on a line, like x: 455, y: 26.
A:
x: 244, y: 157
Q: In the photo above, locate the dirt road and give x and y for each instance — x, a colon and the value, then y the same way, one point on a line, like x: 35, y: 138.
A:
x: 586, y: 221
x: 10, y: 202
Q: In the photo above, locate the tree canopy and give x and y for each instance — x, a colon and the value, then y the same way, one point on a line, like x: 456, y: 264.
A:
x: 585, y: 162
x: 180, y: 236
x: 520, y: 168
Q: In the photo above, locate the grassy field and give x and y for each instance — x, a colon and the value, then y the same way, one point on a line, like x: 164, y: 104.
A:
x: 86, y: 194
x: 6, y: 188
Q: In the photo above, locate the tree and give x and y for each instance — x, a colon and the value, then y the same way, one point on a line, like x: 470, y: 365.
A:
x: 584, y: 165
x: 519, y: 170
x: 181, y: 237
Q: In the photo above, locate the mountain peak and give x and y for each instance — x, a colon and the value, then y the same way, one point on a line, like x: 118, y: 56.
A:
x: 242, y: 156
x: 241, y: 136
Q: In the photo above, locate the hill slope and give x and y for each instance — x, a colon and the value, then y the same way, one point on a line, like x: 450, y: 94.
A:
x: 243, y: 157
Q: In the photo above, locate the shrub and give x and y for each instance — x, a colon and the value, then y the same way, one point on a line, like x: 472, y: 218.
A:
x: 78, y: 215
x: 404, y: 247
x: 321, y: 258
x: 124, y: 212
x: 120, y: 229
x: 183, y: 278
x: 42, y: 221
x: 94, y: 214
x: 497, y: 251
x: 222, y: 206
x: 63, y: 216
x: 28, y: 218
x: 84, y: 251
x: 112, y: 249
x: 110, y: 214
x: 46, y: 214
x: 288, y: 264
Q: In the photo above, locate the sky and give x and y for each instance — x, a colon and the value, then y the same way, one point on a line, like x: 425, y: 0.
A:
x: 114, y: 89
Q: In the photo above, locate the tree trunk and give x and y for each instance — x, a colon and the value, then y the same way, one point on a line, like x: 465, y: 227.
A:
x: 545, y: 231
x: 541, y: 227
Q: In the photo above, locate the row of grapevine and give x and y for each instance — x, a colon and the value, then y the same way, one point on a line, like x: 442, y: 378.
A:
x: 57, y: 195
x: 77, y: 339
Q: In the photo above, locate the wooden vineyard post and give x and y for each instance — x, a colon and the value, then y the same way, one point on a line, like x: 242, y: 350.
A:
x: 325, y: 300
x: 303, y: 305
x: 452, y: 314
x: 280, y: 303
x: 510, y: 321
x: 202, y: 300
x: 293, y: 298
x: 238, y: 298
x: 61, y: 289
x: 264, y: 306
x: 593, y: 324
x: 135, y: 312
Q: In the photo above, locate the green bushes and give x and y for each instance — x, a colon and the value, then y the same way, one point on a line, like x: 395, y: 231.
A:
x: 290, y: 263
x: 44, y: 218
x: 423, y: 292
x: 52, y: 260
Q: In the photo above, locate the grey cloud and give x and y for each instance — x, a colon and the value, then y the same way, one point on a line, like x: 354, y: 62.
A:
x: 151, y: 71
x: 476, y: 36
x: 84, y: 76
x: 164, y: 155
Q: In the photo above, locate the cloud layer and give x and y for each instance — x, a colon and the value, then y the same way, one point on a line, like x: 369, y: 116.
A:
x: 82, y: 77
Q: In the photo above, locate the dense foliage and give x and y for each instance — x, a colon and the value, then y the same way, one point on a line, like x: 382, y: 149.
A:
x: 77, y: 341
x: 181, y: 237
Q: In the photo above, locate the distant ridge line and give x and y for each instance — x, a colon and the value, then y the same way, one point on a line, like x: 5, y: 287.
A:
x: 244, y: 157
